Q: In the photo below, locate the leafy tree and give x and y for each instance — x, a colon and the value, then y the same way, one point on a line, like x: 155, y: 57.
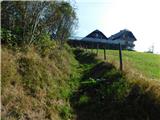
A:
x: 28, y: 20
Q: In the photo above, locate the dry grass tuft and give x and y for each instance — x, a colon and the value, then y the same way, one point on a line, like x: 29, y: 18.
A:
x: 33, y: 86
x: 149, y: 86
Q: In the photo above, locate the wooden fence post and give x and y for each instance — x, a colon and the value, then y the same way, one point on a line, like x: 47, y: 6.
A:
x: 97, y: 49
x: 80, y: 46
x: 120, y: 57
x: 86, y: 47
x: 92, y: 47
x: 104, y: 52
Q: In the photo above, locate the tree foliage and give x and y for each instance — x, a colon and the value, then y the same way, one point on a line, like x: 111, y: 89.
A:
x: 28, y: 20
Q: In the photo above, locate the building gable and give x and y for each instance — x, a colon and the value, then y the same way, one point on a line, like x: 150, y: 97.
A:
x: 96, y: 35
x: 123, y: 35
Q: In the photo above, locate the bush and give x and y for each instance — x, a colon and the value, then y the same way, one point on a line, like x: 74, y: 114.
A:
x: 44, y: 44
x: 7, y: 37
x: 65, y: 112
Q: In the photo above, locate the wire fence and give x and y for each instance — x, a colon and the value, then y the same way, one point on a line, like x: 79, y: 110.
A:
x: 92, y: 43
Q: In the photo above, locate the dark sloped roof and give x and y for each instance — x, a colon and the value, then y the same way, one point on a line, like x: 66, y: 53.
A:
x: 122, y: 35
x: 96, y: 34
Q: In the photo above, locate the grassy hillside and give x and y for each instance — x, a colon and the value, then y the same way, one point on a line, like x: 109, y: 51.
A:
x: 63, y: 83
x: 146, y: 64
x: 37, y: 86
x: 106, y: 93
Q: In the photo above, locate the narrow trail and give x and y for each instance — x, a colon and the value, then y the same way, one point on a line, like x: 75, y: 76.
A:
x: 104, y: 94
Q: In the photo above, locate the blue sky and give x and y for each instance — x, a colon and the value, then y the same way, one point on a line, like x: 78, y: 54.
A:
x: 142, y: 17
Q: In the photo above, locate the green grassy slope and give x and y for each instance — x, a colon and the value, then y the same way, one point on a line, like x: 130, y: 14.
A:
x: 146, y: 64
x: 105, y: 93
x: 65, y: 84
x: 35, y: 86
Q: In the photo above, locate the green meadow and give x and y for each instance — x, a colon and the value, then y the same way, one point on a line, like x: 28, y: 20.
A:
x: 147, y: 64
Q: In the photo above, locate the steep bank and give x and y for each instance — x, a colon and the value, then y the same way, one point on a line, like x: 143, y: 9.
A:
x: 106, y: 93
x: 71, y: 84
x: 35, y: 86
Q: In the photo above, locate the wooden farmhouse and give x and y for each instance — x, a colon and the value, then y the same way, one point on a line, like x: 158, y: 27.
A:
x: 124, y: 37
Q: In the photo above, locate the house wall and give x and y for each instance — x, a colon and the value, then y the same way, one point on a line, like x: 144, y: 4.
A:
x: 108, y: 43
x: 117, y: 41
x: 121, y: 41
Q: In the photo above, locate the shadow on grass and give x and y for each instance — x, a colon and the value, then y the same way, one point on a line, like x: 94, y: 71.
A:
x: 103, y: 71
x: 105, y: 95
x: 85, y: 57
x: 94, y: 102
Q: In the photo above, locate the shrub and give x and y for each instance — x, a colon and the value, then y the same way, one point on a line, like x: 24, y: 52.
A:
x: 7, y: 37
x: 65, y: 112
x: 44, y: 44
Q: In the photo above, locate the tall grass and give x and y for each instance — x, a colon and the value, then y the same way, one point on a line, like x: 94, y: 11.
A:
x: 106, y: 93
x: 57, y: 84
x: 141, y: 69
x: 37, y: 86
x: 146, y: 64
